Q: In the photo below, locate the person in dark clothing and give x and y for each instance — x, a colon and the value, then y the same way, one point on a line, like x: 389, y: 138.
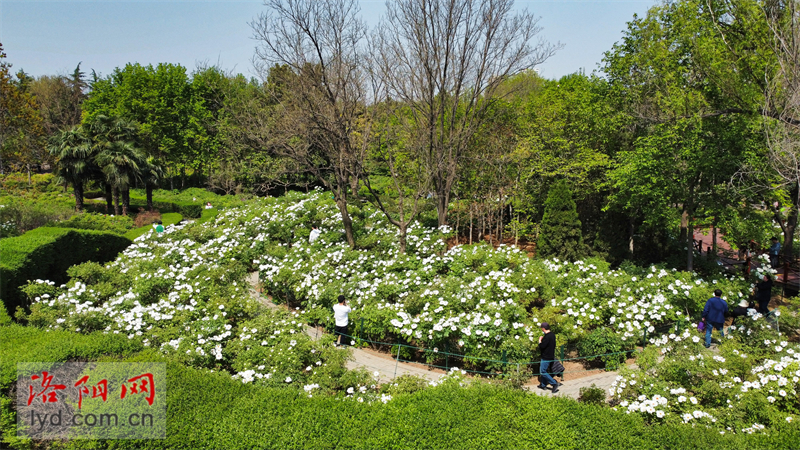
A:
x: 547, y: 345
x: 739, y: 311
x: 764, y: 294
x: 714, y: 315
x: 774, y: 253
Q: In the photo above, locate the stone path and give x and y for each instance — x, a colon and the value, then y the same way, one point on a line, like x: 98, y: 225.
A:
x: 388, y: 368
x: 572, y: 388
x: 371, y: 360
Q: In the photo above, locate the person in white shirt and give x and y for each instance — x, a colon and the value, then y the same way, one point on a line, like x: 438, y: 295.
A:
x: 314, y: 235
x: 340, y: 312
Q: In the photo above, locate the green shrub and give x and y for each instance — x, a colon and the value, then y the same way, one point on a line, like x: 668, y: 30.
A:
x: 603, y: 341
x: 210, y: 411
x: 405, y: 384
x: 47, y: 253
x: 16, y: 183
x: 208, y: 214
x: 19, y: 214
x: 93, y: 221
x: 560, y: 232
x: 647, y: 359
x: 592, y: 395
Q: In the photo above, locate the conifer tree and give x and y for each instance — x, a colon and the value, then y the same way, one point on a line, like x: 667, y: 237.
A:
x: 560, y: 233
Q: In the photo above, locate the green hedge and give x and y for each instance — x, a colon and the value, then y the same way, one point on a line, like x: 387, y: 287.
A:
x: 47, y: 253
x: 191, y: 210
x: 211, y: 410
x: 166, y: 219
x: 98, y: 222
x: 208, y: 214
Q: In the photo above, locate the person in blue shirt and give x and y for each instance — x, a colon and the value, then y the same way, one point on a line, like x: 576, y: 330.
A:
x: 774, y: 251
x: 714, y: 315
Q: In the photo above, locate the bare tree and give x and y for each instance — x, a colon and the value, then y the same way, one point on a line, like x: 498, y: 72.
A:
x: 783, y: 104
x: 401, y: 201
x: 321, y: 42
x: 446, y: 60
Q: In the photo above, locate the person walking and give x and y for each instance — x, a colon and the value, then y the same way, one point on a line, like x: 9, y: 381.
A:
x: 159, y: 227
x: 714, y: 315
x: 774, y: 251
x: 547, y: 346
x: 314, y: 235
x: 764, y: 294
x: 340, y: 316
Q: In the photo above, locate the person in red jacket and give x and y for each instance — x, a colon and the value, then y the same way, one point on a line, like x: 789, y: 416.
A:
x: 547, y: 345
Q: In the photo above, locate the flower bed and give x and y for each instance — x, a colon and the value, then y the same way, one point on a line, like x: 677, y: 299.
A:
x: 183, y: 293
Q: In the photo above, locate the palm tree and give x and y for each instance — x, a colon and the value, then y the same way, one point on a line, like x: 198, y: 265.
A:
x: 118, y: 156
x: 152, y: 174
x: 74, y: 159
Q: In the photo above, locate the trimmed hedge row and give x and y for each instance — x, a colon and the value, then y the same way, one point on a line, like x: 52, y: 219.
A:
x: 211, y: 410
x: 46, y: 253
x: 186, y: 209
x: 20, y: 344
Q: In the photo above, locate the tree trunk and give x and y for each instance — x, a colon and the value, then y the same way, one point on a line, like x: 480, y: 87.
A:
x: 684, y: 225
x: 690, y: 253
x: 631, y: 231
x: 458, y: 221
x: 77, y: 189
x: 346, y: 220
x: 28, y: 166
x: 788, y: 234
x: 442, y: 202
x: 109, y: 204
x: 714, y: 237
x: 354, y: 188
x: 403, y: 231
x: 470, y: 223
x: 126, y: 201
x: 687, y: 213
x: 500, y: 218
x: 149, y: 194
x: 116, y: 201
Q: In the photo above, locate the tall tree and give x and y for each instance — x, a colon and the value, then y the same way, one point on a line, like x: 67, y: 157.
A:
x: 321, y: 42
x: 60, y: 99
x: 21, y: 133
x: 694, y: 118
x: 446, y: 60
x: 162, y: 102
x: 73, y: 153
x: 560, y: 234
x: 118, y: 156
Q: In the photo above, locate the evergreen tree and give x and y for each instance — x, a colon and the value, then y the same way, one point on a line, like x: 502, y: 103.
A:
x: 560, y: 234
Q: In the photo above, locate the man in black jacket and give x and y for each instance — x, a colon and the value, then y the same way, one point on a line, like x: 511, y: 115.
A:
x: 547, y: 345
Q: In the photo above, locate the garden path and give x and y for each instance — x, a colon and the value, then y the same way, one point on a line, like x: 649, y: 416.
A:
x: 388, y: 368
x: 572, y: 388
x: 373, y: 361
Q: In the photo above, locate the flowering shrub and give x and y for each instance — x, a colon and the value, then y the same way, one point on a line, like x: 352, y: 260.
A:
x: 182, y: 292
x: 750, y: 384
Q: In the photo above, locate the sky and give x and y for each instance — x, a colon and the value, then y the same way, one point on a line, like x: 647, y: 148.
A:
x: 52, y: 37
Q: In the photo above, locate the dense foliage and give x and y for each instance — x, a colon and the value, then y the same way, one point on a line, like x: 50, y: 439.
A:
x: 47, y: 253
x: 560, y: 232
x: 183, y: 294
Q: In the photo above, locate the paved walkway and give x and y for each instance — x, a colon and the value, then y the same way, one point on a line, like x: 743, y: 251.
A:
x: 572, y: 388
x: 388, y: 368
x: 371, y: 360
